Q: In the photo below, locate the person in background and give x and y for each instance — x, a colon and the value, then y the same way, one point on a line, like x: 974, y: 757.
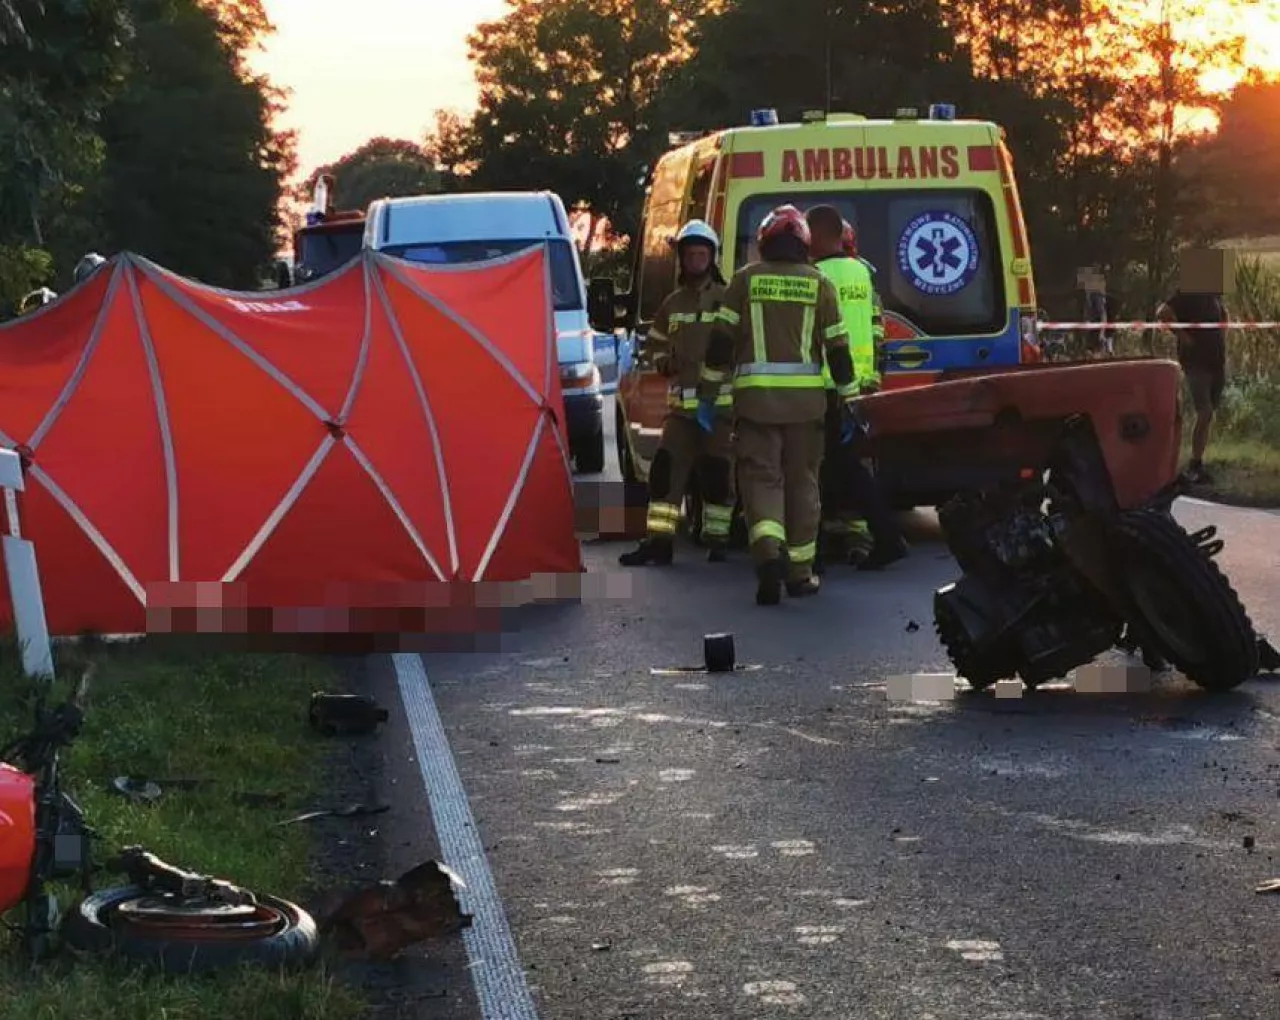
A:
x: 858, y: 525
x: 778, y: 318
x: 677, y: 343
x: 1203, y: 355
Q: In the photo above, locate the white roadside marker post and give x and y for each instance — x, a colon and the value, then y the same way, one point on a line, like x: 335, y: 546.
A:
x: 24, y: 578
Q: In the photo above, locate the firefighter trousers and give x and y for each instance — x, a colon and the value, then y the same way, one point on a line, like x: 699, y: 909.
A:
x: 854, y: 506
x: 683, y: 449
x: 778, y: 472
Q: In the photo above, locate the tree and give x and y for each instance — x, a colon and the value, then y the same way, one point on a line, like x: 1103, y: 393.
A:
x: 447, y: 147
x: 193, y: 171
x: 59, y: 65
x: 380, y: 168
x: 1237, y: 169
x: 12, y: 29
x: 566, y: 97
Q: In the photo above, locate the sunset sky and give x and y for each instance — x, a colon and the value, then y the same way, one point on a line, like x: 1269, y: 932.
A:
x: 362, y: 68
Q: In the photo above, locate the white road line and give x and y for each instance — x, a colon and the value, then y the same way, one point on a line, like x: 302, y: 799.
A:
x: 495, y: 968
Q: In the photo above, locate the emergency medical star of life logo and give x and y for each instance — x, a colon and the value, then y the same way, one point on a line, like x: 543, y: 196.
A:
x: 938, y: 253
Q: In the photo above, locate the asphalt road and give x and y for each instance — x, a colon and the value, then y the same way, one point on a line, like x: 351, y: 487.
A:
x: 786, y: 841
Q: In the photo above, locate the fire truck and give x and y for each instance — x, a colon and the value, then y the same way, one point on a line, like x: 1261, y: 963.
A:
x: 329, y: 239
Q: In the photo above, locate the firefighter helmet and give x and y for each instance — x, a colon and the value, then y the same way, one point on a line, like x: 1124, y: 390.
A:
x: 85, y: 267
x: 786, y: 219
x: 698, y: 232
x: 849, y: 240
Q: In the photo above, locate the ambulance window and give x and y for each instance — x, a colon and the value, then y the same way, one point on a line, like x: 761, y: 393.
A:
x: 919, y: 242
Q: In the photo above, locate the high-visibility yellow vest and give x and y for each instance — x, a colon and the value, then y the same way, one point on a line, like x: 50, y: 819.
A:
x: 859, y: 306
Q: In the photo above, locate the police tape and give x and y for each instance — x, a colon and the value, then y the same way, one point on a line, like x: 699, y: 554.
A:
x: 1099, y: 326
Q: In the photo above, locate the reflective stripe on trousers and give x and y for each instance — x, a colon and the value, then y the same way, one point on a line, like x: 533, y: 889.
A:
x: 716, y: 520
x: 767, y: 529
x: 802, y: 553
x: 662, y: 518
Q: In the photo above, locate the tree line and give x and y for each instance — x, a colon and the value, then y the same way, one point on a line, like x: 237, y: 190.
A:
x: 136, y: 125
x: 1104, y: 114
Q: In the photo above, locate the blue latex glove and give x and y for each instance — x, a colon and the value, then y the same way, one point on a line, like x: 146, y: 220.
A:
x: 706, y: 415
x: 852, y: 424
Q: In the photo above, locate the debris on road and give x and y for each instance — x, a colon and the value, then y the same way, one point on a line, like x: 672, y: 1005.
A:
x: 718, y: 653
x: 378, y: 922
x: 352, y: 811
x: 187, y: 923
x: 1269, y: 888
x: 138, y: 790
x: 345, y: 714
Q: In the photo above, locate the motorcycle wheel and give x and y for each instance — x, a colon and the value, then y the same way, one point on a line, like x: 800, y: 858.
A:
x: 1186, y: 606
x: 137, y: 925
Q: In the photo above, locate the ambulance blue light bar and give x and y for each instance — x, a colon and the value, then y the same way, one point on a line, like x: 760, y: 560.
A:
x: 942, y: 111
x: 764, y: 118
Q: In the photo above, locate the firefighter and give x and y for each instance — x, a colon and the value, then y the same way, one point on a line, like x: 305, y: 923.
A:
x: 678, y: 340
x: 777, y: 318
x: 858, y: 525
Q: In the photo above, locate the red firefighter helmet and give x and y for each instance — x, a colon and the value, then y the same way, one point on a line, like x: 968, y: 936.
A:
x: 849, y: 240
x: 786, y: 219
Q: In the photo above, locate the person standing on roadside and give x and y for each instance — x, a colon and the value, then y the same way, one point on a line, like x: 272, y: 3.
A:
x: 1202, y: 352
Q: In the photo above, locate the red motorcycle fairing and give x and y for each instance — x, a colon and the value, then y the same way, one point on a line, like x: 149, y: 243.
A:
x: 17, y: 834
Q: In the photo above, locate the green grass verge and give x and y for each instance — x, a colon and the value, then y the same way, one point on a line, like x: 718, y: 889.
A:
x: 1245, y: 472
x: 235, y: 722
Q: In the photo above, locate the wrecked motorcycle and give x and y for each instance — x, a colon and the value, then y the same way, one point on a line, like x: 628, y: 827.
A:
x: 183, y: 922
x: 1062, y: 525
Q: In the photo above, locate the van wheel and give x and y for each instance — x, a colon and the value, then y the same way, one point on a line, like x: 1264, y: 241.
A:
x: 626, y: 466
x: 590, y: 455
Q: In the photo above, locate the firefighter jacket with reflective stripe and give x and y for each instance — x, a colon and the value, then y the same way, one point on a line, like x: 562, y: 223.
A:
x: 680, y: 331
x: 776, y: 321
x: 860, y: 306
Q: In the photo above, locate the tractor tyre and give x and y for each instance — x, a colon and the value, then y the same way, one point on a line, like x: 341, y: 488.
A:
x: 1185, y: 608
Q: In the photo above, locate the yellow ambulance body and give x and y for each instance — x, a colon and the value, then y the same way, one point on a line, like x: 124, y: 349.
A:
x: 937, y: 213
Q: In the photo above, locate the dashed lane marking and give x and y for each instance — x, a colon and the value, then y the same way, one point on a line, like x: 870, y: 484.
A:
x: 499, y: 980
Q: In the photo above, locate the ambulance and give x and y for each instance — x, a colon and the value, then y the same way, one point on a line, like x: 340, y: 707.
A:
x: 936, y: 208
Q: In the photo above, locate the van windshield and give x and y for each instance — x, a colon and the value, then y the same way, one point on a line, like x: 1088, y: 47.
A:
x: 565, y: 290
x: 936, y: 253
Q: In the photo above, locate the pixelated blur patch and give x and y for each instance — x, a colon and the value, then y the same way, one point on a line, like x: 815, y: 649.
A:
x: 377, y: 611
x: 921, y: 687
x: 1112, y: 679
x: 609, y: 511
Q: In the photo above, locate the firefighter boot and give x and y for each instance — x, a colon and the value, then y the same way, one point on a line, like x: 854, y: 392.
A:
x: 656, y: 549
x: 883, y: 555
x: 802, y: 589
x: 769, y: 578
x: 717, y: 550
